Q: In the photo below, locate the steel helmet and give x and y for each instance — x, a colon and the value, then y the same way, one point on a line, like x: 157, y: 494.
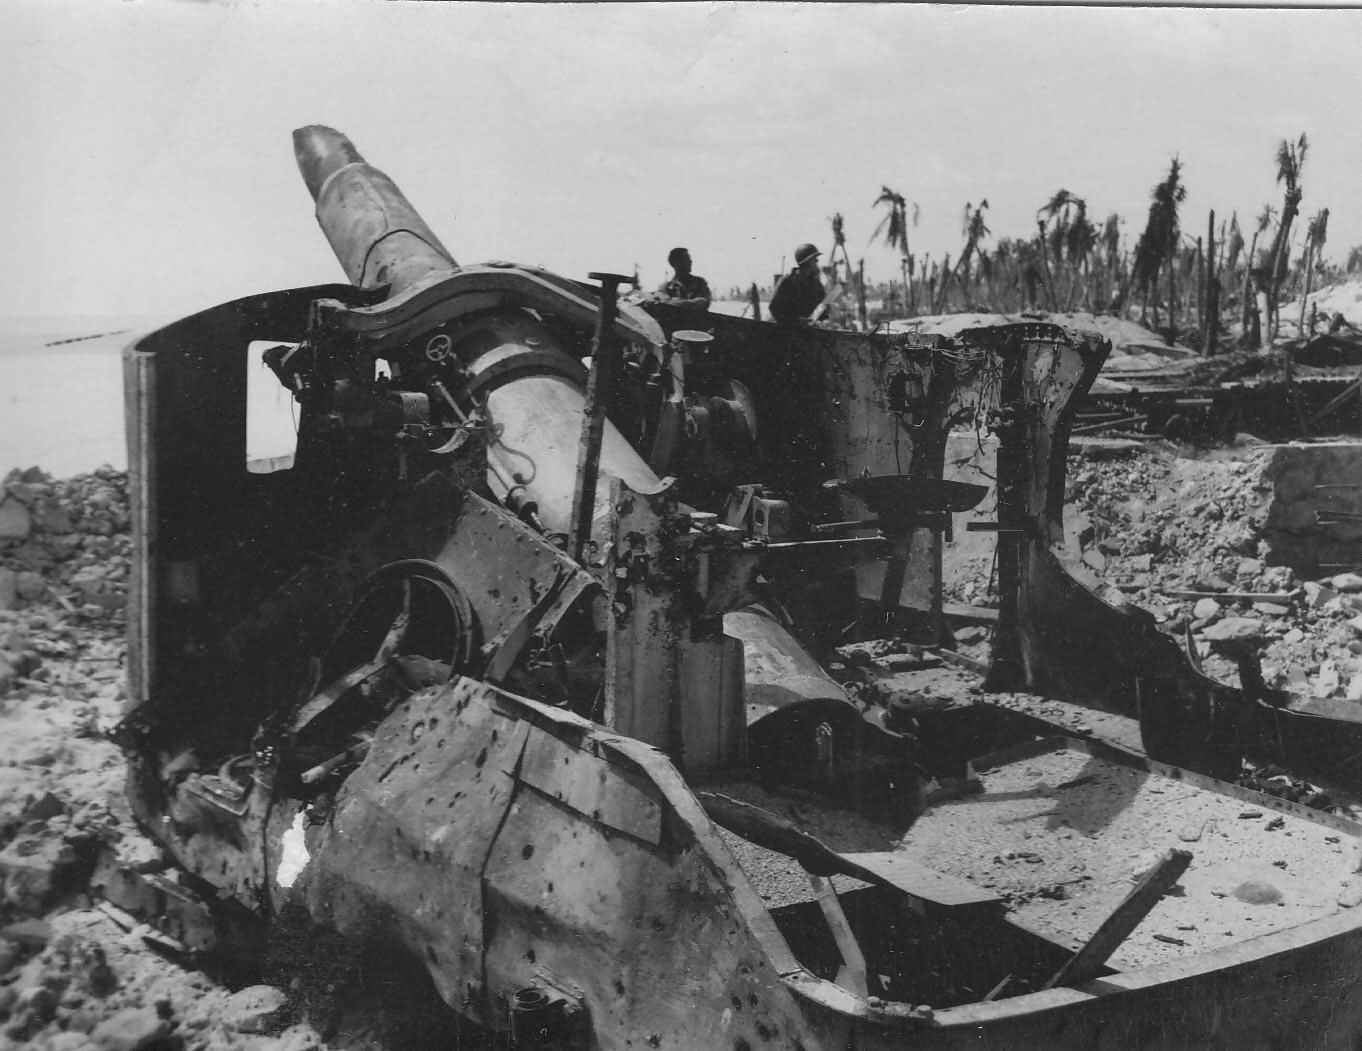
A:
x: 804, y: 253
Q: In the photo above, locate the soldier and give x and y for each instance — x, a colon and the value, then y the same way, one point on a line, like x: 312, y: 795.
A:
x: 801, y: 291
x: 684, y: 289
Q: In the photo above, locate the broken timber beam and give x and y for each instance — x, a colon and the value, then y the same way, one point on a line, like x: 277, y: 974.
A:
x: 853, y: 974
x: 1085, y: 964
x: 961, y: 661
x: 971, y: 614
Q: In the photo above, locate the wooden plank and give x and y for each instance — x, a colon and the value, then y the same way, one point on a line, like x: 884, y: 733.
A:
x: 960, y: 660
x: 853, y: 973
x: 1282, y: 598
x: 973, y: 614
x: 589, y: 786
x: 920, y: 882
x: 1085, y: 964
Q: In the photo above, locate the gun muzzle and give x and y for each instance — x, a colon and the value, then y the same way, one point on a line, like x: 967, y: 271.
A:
x: 379, y: 238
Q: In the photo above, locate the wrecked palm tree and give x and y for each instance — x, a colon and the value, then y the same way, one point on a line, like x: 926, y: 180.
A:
x: 1315, y: 235
x: 839, y: 271
x: 1052, y: 229
x: 1114, y: 292
x: 975, y: 229
x: 839, y: 248
x: 1068, y: 238
x: 1253, y: 280
x: 1158, y: 243
x: 1079, y: 241
x: 893, y: 230
x: 1290, y: 161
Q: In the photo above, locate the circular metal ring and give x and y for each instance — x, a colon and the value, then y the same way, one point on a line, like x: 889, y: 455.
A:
x: 438, y: 347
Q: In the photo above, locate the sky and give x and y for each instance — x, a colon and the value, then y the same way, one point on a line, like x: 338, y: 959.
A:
x: 150, y: 164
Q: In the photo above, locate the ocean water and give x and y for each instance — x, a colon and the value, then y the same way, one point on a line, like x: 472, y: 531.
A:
x: 61, y: 395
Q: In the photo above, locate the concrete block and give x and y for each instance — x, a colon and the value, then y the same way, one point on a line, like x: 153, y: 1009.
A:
x: 1205, y: 609
x: 1235, y: 628
x: 1304, y: 479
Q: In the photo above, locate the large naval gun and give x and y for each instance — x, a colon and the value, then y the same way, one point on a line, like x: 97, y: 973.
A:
x: 516, y: 662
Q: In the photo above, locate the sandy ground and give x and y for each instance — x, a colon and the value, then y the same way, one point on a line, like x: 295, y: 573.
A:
x: 1063, y: 836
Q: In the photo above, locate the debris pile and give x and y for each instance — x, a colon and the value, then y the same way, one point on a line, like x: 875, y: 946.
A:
x: 82, y: 983
x: 1185, y: 539
x: 64, y: 549
x: 65, y: 542
x: 77, y: 974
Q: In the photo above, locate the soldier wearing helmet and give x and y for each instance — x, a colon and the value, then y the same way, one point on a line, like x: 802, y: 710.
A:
x: 801, y: 291
x: 684, y: 289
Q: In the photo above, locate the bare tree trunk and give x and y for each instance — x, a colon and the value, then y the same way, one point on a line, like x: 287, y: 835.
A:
x: 862, y: 314
x: 939, y: 303
x: 1309, y: 275
x: 1172, y: 288
x: 1290, y: 206
x: 1211, y: 313
x: 1249, y: 306
x: 1200, y: 287
x: 1045, y: 269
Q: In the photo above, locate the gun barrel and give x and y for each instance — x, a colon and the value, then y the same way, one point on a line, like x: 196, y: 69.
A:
x: 379, y: 238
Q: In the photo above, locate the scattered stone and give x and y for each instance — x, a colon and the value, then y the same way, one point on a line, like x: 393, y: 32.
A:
x: 1206, y: 609
x: 28, y: 934
x: 30, y: 585
x: 50, y: 517
x: 1351, y: 896
x: 1336, y: 606
x: 15, y: 520
x: 1347, y: 582
x: 1271, y: 609
x: 131, y: 1029
x: 100, y: 979
x: 1257, y: 892
x: 9, y: 588
x: 47, y: 806
x: 32, y: 870
x: 256, y: 1009
x: 1235, y: 628
x: 1327, y: 681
